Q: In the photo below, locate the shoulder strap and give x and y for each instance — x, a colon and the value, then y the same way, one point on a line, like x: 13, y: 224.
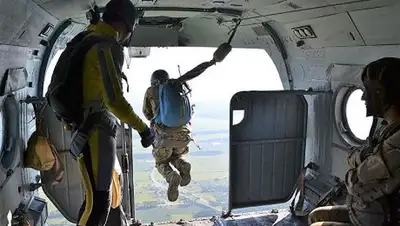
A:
x: 88, y: 42
x: 389, y: 131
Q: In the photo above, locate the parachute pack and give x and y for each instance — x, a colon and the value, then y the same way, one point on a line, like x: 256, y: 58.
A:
x: 174, y: 108
x: 64, y: 95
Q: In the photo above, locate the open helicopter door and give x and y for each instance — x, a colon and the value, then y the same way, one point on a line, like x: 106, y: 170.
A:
x: 68, y: 195
x: 267, y: 147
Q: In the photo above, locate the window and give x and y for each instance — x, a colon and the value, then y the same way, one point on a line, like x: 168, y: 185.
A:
x: 207, y: 194
x: 356, y: 112
x: 350, y: 115
x: 50, y: 69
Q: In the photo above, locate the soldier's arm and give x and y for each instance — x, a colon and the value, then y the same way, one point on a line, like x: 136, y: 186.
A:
x: 383, y: 163
x: 111, y: 89
x: 147, y: 109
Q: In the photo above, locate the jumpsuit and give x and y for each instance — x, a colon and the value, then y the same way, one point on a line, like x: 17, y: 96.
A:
x: 170, y: 145
x: 94, y: 142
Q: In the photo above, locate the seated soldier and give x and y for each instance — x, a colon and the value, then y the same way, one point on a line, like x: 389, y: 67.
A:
x: 373, y: 177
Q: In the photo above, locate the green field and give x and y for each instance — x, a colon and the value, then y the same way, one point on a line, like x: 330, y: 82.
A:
x: 205, y: 196
x: 208, y: 186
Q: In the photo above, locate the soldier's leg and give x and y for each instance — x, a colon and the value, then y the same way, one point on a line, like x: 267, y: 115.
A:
x: 96, y: 164
x: 162, y: 157
x: 117, y: 217
x: 329, y: 215
x: 182, y: 165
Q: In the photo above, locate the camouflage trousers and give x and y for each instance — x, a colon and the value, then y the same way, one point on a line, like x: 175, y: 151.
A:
x: 169, y: 148
x: 329, y: 216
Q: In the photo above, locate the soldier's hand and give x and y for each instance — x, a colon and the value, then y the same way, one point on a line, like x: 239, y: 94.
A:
x: 147, y: 137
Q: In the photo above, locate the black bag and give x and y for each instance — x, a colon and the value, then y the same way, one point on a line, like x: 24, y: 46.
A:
x: 64, y: 94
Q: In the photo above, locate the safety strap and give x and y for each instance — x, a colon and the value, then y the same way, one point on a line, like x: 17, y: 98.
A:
x: 299, y: 189
x: 197, y: 145
x: 370, y: 138
x: 389, y: 131
x: 297, y: 210
x: 378, y: 142
x: 123, y: 76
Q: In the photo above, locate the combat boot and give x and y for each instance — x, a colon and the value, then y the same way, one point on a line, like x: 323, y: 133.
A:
x: 173, y: 185
x: 185, y: 173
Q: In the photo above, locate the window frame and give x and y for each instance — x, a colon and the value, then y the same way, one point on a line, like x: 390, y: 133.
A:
x: 342, y: 96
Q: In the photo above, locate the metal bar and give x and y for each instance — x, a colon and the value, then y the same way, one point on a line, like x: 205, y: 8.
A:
x: 281, y: 47
x: 283, y: 140
x: 234, y: 12
x: 125, y: 172
x: 131, y: 175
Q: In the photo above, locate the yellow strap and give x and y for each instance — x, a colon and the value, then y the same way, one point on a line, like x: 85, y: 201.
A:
x: 88, y: 191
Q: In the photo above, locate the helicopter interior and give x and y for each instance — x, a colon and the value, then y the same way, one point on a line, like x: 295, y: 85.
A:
x: 319, y: 48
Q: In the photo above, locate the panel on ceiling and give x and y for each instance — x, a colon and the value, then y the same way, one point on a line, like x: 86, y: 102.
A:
x: 288, y: 6
x: 335, y: 2
x: 379, y: 26
x: 13, y: 17
x: 28, y: 34
x: 330, y: 31
x: 212, y: 3
x: 250, y: 4
x: 144, y: 36
x: 63, y: 9
x: 302, y: 15
x: 360, y: 5
x: 175, y: 3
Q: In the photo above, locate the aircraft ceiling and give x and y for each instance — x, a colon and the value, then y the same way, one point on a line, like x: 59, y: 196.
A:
x: 76, y: 9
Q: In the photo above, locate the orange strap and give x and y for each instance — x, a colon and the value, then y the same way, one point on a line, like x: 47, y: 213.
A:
x: 116, y: 196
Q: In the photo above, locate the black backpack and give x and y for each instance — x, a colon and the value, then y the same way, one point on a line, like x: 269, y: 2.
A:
x: 64, y: 94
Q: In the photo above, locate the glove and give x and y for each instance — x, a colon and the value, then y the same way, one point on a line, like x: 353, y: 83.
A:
x: 147, y: 137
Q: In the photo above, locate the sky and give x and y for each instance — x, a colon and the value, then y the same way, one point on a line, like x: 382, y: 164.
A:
x: 242, y: 69
x: 355, y: 113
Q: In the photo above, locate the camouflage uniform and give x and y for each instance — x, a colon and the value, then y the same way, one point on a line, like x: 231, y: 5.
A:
x: 170, y: 145
x: 372, y: 182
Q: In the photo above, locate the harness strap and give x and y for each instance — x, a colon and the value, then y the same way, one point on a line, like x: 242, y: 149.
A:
x: 299, y: 189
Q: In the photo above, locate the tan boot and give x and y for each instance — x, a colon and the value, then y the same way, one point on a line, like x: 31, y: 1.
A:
x: 173, y: 185
x: 185, y: 173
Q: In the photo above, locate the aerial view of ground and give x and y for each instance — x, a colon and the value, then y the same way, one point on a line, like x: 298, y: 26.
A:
x: 205, y: 196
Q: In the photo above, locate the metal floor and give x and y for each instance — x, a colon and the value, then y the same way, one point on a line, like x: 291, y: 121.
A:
x: 282, y: 218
